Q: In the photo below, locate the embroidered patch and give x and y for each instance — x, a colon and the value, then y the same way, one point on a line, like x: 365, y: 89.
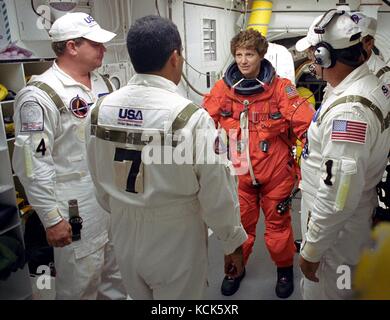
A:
x: 292, y: 92
x: 356, y: 18
x: 386, y: 90
x: 131, y: 117
x: 79, y: 107
x: 350, y: 131
x: 305, y: 151
x: 220, y: 146
x: 328, y: 174
x: 31, y: 117
x: 317, y: 114
x: 90, y: 21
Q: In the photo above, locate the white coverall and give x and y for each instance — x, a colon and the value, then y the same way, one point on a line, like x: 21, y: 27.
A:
x: 160, y: 233
x: 376, y: 66
x: 50, y: 161
x: 338, y: 181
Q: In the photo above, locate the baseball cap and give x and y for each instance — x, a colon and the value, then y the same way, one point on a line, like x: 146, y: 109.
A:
x: 79, y: 25
x: 340, y: 32
x: 366, y: 24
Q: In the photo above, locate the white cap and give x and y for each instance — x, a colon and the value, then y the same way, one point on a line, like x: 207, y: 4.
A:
x: 366, y: 24
x: 338, y: 33
x: 79, y: 25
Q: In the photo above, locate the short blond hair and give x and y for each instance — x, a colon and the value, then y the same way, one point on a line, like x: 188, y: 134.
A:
x: 249, y: 39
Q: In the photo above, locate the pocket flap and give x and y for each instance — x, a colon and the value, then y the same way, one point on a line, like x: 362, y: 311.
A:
x: 87, y: 247
x: 348, y: 166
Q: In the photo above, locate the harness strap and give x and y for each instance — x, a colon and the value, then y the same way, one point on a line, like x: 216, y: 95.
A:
x: 52, y: 95
x: 135, y: 138
x: 382, y: 71
x: 385, y: 122
x: 108, y: 83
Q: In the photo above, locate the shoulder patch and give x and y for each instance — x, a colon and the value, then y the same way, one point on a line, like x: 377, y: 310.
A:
x: 31, y: 117
x: 291, y: 92
x: 79, y: 107
x: 349, y: 131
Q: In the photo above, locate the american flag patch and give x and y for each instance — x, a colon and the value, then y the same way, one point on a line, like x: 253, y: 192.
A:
x: 292, y: 92
x: 351, y: 131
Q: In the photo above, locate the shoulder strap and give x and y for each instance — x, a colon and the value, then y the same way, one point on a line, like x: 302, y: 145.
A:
x: 52, y: 94
x: 183, y: 117
x: 136, y: 137
x: 385, y: 122
x: 108, y: 83
x: 95, y: 115
x: 382, y: 71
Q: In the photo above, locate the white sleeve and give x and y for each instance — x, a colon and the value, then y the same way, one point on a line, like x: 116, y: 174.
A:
x: 36, y: 123
x: 343, y: 178
x: 218, y: 188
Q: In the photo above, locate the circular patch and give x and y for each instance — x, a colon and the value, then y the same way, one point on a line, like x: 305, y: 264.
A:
x: 79, y: 107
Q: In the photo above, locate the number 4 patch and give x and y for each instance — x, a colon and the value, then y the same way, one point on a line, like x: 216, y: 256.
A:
x: 42, y: 148
x: 40, y: 145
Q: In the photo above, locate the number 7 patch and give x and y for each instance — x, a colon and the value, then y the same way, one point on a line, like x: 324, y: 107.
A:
x: 129, y: 170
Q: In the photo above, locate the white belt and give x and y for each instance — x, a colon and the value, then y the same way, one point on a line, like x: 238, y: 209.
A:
x: 61, y: 178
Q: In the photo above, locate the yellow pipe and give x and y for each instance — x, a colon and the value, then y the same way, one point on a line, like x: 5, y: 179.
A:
x: 3, y: 92
x: 260, y: 16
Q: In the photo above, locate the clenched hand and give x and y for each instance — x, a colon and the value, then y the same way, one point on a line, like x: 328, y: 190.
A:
x: 234, y: 263
x: 309, y: 269
x: 59, y: 235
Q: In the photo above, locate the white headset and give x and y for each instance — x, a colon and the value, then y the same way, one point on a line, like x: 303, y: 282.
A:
x: 324, y: 53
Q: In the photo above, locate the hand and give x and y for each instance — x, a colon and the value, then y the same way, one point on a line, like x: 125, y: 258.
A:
x: 309, y: 269
x: 59, y: 235
x: 234, y: 263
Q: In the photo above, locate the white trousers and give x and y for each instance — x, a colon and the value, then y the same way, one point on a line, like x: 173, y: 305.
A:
x: 86, y: 269
x: 335, y: 272
x: 93, y: 277
x: 162, y: 252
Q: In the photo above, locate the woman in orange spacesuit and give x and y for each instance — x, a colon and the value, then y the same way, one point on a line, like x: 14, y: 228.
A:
x: 263, y: 116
